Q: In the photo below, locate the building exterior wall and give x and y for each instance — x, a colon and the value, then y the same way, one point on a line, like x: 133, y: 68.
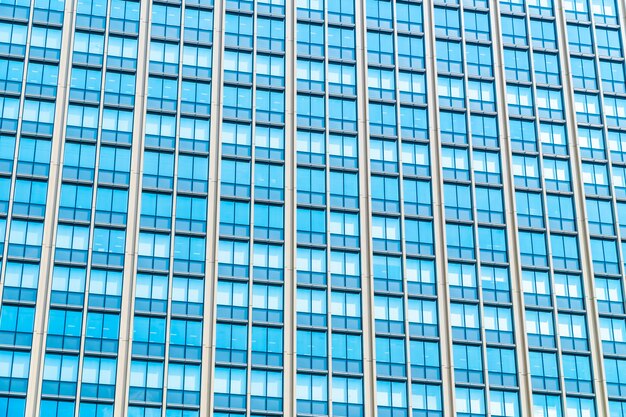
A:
x: 392, y: 208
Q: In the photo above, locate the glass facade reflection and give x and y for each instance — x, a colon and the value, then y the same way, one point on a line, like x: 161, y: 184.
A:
x: 265, y: 208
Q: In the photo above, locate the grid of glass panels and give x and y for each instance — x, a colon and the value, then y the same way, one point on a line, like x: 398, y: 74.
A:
x: 249, y: 360
x: 167, y: 322
x: 565, y: 96
x: 484, y: 352
x: 30, y: 52
x: 81, y: 345
x: 329, y: 320
x: 408, y: 371
x: 596, y: 57
x: 552, y: 280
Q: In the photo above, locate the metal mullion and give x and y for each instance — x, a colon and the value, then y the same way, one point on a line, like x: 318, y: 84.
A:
x: 329, y: 343
x: 253, y: 89
x: 405, y: 298
x: 544, y: 193
x: 170, y: 275
x: 439, y: 219
x: 591, y: 308
x: 38, y: 349
x: 509, y: 202
x: 134, y: 207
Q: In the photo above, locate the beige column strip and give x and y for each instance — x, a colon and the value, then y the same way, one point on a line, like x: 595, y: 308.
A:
x: 134, y: 209
x: 586, y: 262
x: 365, y: 215
x: 38, y: 346
x: 213, y: 205
x: 515, y: 265
x: 290, y: 287
x: 439, y: 218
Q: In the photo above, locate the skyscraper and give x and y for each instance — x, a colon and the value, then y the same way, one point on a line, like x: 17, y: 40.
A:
x: 381, y: 208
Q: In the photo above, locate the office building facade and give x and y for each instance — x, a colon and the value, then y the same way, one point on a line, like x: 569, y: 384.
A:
x: 392, y: 208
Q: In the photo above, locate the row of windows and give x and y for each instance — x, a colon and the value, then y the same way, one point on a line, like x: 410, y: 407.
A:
x: 268, y: 33
x: 408, y: 16
x: 123, y: 15
x: 239, y: 142
x: 166, y: 23
x: 341, y: 11
x: 186, y: 297
x: 461, y: 164
x: 24, y: 232
x: 591, y: 108
x: 590, y: 75
x: 101, y: 329
x: 317, y: 309
x: 530, y: 173
x: 266, y: 301
x: 386, y: 84
x: 181, y: 133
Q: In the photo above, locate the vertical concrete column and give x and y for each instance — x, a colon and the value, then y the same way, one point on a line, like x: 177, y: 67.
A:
x: 213, y: 204
x: 508, y: 190
x: 38, y: 346
x: 586, y: 262
x: 289, y: 342
x: 439, y: 222
x: 367, y: 277
x: 134, y: 209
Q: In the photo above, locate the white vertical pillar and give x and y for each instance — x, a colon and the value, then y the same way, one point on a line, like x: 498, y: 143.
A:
x: 508, y: 190
x: 586, y: 262
x: 35, y: 376
x: 132, y: 225
x: 213, y: 204
x: 439, y: 223
x: 289, y: 281
x: 367, y: 277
